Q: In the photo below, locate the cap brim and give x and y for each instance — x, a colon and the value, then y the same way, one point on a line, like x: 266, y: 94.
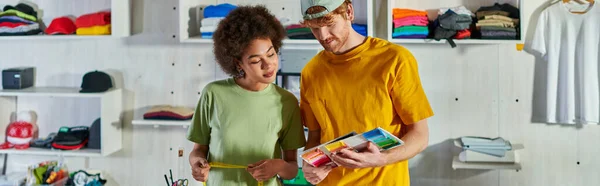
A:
x: 92, y: 90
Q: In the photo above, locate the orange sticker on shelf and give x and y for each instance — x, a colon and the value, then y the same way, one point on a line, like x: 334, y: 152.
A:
x: 520, y: 46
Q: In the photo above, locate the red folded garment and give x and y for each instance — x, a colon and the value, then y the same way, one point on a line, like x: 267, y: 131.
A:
x: 463, y: 34
x: 166, y: 115
x: 294, y: 26
x: 11, y: 25
x: 93, y: 19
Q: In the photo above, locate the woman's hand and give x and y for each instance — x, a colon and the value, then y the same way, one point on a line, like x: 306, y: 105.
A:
x: 266, y: 169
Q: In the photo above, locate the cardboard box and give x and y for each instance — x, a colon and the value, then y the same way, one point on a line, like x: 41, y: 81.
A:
x: 321, y: 155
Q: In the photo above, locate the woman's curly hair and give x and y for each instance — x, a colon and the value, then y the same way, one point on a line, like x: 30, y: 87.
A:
x: 236, y: 31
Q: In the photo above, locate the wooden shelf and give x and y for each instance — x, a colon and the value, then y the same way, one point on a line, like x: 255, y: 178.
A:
x: 157, y: 123
x: 54, y: 152
x: 457, y: 164
x: 53, y: 92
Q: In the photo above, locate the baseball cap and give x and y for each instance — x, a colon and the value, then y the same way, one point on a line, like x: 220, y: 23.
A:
x: 71, y: 138
x: 61, y: 25
x: 95, y: 81
x: 329, y: 5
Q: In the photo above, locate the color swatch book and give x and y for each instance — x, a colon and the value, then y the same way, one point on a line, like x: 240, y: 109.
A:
x: 320, y: 155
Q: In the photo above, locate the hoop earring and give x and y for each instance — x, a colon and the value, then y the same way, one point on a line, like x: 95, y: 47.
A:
x: 241, y: 74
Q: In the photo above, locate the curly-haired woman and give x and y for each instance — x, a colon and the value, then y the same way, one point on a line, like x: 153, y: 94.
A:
x: 246, y: 124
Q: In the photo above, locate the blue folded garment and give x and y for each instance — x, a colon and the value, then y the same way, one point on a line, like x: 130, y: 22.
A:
x: 364, y: 33
x: 359, y: 27
x: 220, y: 10
x: 207, y: 34
x: 399, y: 34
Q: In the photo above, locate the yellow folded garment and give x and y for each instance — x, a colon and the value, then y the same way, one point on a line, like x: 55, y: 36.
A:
x: 495, y: 21
x: 500, y: 24
x: 95, y: 30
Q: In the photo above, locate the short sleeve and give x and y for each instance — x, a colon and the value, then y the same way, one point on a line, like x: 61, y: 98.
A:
x: 539, y: 43
x: 408, y: 96
x: 308, y: 117
x: 199, y: 131
x: 292, y: 136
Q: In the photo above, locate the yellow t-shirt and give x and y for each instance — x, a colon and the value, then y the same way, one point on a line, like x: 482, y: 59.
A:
x: 376, y: 84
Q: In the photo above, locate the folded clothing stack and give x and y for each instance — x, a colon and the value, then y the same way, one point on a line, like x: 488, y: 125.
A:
x: 297, y: 31
x: 498, y: 21
x: 167, y: 112
x: 213, y: 14
x: 97, y: 23
x: 462, y: 14
x: 410, y: 23
x: 482, y: 149
x: 19, y: 20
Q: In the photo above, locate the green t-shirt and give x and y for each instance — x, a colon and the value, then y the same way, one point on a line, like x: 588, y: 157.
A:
x: 243, y: 127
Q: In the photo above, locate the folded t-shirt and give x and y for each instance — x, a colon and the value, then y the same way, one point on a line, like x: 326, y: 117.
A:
x: 93, y: 19
x: 399, y: 13
x: 220, y: 10
x: 15, y: 19
x: 95, y: 30
x: 169, y: 112
x: 211, y: 21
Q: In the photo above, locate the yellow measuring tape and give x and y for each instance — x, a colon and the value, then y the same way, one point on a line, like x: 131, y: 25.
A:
x: 228, y: 166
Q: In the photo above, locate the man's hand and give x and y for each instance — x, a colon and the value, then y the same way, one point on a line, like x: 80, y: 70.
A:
x: 200, y: 168
x: 315, y: 175
x: 265, y: 169
x: 371, y: 157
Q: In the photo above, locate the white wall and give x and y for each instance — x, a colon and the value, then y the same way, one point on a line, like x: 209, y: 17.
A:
x: 487, y: 80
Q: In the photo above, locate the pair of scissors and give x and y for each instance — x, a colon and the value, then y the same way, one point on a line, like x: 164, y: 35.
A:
x: 181, y: 182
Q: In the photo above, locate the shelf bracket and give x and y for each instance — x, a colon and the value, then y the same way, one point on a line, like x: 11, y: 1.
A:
x: 4, y: 164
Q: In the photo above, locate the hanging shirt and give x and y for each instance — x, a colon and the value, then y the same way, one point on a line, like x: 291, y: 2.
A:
x: 569, y: 44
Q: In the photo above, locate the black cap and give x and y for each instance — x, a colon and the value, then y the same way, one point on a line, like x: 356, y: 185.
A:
x: 22, y: 8
x: 95, y: 81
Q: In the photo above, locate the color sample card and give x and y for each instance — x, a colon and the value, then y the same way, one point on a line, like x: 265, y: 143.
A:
x: 320, y: 155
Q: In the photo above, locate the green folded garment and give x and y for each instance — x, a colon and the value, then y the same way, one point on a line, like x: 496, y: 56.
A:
x: 304, y: 29
x: 19, y: 14
x: 412, y: 29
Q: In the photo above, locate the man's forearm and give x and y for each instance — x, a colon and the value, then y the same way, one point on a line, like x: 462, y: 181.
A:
x: 314, y: 139
x: 415, y: 141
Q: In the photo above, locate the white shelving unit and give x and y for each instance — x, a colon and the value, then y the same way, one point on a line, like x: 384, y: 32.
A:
x: 190, y: 16
x: 432, y: 6
x: 49, y: 9
x: 110, y: 126
x: 157, y: 123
